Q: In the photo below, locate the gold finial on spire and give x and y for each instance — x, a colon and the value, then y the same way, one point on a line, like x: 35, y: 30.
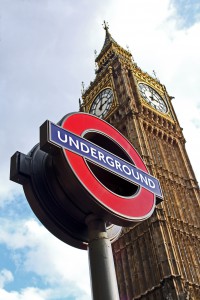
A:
x: 95, y: 56
x: 105, y: 25
x: 154, y: 73
x: 95, y: 53
x: 83, y: 87
x: 155, y: 76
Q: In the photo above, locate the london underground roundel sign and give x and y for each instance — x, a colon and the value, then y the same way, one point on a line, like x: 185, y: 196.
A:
x: 100, y: 169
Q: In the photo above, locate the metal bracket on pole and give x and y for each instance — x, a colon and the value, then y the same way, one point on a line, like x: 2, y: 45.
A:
x: 102, y: 269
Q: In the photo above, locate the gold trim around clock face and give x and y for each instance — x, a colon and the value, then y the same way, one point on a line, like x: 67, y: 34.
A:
x: 153, y: 98
x: 102, y: 103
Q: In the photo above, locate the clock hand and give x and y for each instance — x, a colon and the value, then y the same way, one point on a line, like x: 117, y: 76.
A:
x: 101, y: 106
x: 153, y: 99
x: 101, y: 99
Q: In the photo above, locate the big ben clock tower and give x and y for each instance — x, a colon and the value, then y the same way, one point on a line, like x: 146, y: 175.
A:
x: 160, y: 257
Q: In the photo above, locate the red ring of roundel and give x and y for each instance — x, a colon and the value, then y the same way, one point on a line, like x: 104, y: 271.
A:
x: 135, y: 208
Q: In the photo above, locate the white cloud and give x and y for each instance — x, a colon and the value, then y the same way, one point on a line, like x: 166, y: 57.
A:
x: 40, y: 252
x: 29, y: 293
x: 5, y: 277
x: 32, y: 293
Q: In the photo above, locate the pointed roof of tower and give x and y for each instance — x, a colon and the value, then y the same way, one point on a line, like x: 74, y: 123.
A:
x: 108, y: 38
x: 110, y: 44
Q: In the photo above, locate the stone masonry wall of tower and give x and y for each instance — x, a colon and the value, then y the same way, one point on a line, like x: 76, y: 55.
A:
x: 158, y: 258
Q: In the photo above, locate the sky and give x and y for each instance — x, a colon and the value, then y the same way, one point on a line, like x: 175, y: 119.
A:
x: 46, y: 52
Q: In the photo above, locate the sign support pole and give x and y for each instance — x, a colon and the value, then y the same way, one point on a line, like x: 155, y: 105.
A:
x: 102, y: 269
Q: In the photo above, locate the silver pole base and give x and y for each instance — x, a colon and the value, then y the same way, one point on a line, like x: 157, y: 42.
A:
x: 102, y: 269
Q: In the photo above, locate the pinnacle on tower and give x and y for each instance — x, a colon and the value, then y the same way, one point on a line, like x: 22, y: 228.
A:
x: 108, y: 38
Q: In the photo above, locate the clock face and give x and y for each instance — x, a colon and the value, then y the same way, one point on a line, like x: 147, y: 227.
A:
x: 152, y: 97
x: 102, y: 103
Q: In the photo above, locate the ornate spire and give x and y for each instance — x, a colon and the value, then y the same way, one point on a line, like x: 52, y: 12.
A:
x: 105, y: 25
x: 108, y: 38
x: 110, y: 48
